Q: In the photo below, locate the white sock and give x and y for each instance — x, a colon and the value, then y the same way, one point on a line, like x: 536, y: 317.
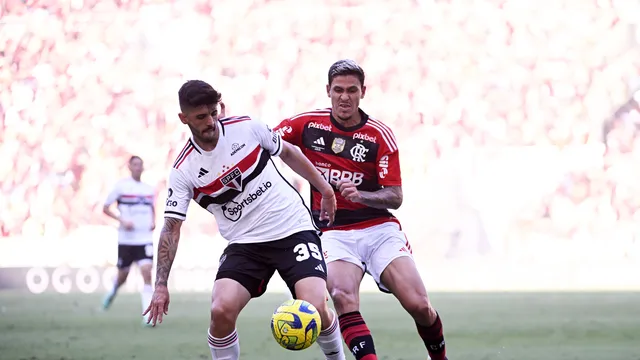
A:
x: 330, y: 340
x: 226, y: 348
x: 145, y: 295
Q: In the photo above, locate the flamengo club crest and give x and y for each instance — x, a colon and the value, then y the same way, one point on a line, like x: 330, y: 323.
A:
x: 338, y: 145
x: 233, y: 180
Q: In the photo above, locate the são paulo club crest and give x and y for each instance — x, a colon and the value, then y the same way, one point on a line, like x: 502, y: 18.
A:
x: 233, y: 180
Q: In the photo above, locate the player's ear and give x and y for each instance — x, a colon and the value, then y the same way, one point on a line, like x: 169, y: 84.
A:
x: 222, y: 114
x: 183, y: 117
x: 364, y: 90
x: 328, y: 90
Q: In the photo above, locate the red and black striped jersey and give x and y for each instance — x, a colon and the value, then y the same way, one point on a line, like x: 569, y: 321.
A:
x: 366, y: 154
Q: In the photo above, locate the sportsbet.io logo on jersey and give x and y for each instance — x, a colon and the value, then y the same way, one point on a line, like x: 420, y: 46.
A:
x: 233, y: 209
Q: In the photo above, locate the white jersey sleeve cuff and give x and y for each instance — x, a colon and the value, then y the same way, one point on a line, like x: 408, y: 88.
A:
x: 175, y: 215
x: 278, y: 148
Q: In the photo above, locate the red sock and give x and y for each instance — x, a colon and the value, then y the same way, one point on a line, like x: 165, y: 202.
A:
x: 433, y: 339
x: 357, y: 336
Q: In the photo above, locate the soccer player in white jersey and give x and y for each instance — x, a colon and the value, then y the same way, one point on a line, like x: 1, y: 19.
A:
x: 135, y: 201
x: 226, y: 167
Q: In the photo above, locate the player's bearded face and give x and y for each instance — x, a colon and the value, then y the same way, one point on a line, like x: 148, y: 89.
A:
x: 345, y: 92
x: 202, y: 123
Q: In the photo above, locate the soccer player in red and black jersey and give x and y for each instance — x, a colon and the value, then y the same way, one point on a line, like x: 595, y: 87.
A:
x: 358, y: 155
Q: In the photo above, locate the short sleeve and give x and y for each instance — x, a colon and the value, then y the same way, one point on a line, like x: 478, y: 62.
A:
x: 113, y: 195
x: 388, y: 158
x: 268, y: 139
x: 179, y: 195
x: 389, y: 169
x: 290, y: 130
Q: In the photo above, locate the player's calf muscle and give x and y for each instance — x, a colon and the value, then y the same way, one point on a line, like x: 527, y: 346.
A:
x: 344, y: 288
x: 419, y: 307
x: 312, y: 290
x: 345, y: 301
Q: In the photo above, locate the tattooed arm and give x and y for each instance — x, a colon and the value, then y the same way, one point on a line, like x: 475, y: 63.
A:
x: 389, y: 197
x: 168, y: 245
x: 385, y: 198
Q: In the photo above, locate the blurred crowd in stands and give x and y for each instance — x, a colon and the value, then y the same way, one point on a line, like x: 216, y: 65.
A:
x: 86, y: 83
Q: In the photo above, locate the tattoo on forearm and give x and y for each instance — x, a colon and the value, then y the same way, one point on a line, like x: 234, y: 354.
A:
x: 167, y: 247
x: 386, y: 198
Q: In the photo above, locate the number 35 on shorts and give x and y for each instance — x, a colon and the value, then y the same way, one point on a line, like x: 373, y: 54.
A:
x: 305, y: 251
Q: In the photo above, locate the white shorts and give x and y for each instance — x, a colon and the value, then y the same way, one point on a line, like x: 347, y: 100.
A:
x: 372, y: 249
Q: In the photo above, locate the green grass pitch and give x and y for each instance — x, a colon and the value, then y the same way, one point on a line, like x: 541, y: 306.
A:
x: 478, y: 326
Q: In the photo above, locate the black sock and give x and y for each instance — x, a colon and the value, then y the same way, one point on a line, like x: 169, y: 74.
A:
x: 357, y: 336
x: 433, y: 339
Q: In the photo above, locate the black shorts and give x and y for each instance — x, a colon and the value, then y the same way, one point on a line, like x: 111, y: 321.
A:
x: 127, y: 254
x: 295, y: 257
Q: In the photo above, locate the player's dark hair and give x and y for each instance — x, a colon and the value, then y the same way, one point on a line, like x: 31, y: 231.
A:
x: 134, y: 157
x: 195, y: 93
x: 346, y: 67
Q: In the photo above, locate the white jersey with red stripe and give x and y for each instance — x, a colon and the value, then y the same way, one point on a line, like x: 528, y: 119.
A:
x: 135, y: 201
x: 239, y: 184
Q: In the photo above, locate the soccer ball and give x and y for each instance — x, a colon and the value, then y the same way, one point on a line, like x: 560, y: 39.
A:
x: 295, y: 324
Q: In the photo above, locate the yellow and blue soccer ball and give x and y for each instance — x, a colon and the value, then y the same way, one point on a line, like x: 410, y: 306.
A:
x: 295, y: 324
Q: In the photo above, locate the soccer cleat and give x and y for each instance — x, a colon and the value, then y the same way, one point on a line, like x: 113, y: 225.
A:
x: 107, y: 301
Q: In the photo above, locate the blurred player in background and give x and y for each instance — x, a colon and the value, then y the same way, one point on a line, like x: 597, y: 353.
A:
x: 136, y: 215
x: 227, y: 168
x: 358, y: 155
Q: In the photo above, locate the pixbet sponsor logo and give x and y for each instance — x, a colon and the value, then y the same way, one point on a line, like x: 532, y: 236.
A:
x: 320, y: 126
x: 361, y: 136
x: 335, y: 175
x: 233, y: 210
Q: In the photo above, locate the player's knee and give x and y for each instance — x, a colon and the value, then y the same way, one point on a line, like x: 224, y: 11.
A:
x: 146, y: 272
x: 122, y: 275
x: 419, y: 307
x: 323, y: 310
x: 222, y: 314
x: 344, y: 300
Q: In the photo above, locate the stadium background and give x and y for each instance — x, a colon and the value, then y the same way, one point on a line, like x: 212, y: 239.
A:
x: 517, y: 123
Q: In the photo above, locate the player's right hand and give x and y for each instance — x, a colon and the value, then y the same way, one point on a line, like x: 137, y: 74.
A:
x: 128, y: 225
x: 328, y: 208
x: 159, y: 305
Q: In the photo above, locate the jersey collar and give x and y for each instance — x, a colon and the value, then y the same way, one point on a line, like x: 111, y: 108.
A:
x: 209, y: 153
x: 363, y: 120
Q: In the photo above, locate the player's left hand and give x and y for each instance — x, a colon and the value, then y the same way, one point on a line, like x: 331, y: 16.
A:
x: 159, y: 305
x: 328, y: 208
x: 348, y: 190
